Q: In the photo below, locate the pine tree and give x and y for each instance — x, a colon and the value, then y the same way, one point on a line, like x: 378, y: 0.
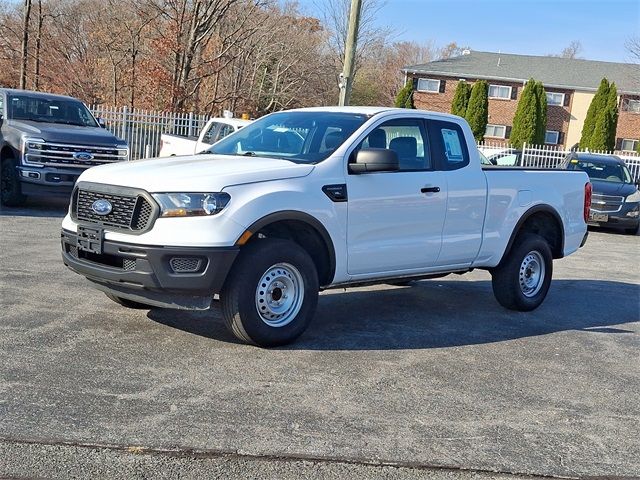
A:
x: 541, y: 117
x: 461, y: 99
x: 404, y: 99
x: 601, y: 133
x: 477, y: 113
x: 612, y: 107
x: 598, y: 104
x: 525, y: 122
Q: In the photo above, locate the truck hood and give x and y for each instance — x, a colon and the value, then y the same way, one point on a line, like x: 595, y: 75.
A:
x: 200, y: 173
x: 612, y: 188
x: 60, y: 133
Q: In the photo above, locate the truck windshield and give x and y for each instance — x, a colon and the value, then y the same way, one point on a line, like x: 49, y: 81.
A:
x: 607, y: 172
x: 49, y: 110
x: 302, y: 137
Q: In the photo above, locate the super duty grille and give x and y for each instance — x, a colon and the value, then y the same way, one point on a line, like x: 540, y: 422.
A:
x: 606, y: 203
x: 65, y: 155
x: 130, y: 211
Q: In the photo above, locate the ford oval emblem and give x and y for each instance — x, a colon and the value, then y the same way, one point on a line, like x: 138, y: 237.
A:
x: 83, y: 156
x: 102, y: 207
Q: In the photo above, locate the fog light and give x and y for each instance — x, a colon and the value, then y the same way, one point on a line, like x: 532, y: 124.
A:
x: 30, y: 174
x: 185, y: 264
x: 633, y: 213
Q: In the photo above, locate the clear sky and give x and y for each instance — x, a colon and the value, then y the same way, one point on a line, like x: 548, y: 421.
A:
x: 533, y: 27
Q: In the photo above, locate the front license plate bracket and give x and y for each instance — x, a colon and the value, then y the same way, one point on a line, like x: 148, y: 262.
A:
x: 90, y: 239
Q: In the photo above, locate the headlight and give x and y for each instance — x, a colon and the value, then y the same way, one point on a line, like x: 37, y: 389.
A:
x: 123, y: 151
x: 634, y: 197
x: 191, y: 204
x: 32, y: 151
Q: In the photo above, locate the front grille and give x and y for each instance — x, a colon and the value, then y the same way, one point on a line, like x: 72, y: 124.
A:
x: 606, y: 203
x: 133, y: 212
x: 77, y: 156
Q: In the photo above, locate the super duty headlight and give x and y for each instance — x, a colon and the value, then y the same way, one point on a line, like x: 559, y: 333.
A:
x: 191, y: 204
x: 32, y: 151
x: 634, y: 197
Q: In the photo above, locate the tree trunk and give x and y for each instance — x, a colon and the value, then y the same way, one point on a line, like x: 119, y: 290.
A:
x: 25, y: 44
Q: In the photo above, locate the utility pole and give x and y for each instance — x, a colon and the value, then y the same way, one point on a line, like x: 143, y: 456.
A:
x: 25, y: 44
x: 346, y: 78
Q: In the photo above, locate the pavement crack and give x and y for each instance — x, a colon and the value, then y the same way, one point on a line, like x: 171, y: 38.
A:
x: 188, y: 452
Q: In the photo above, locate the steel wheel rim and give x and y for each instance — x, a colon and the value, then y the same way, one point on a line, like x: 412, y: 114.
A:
x: 279, y: 295
x: 531, y: 274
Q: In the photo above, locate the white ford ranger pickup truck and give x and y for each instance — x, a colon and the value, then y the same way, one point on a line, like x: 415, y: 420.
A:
x: 304, y: 200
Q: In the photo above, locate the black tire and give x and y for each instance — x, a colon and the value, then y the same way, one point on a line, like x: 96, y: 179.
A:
x: 633, y: 231
x: 514, y: 280
x: 10, y: 187
x: 129, y: 303
x: 290, y: 265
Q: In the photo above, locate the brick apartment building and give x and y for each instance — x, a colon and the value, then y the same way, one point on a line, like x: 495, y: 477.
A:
x: 570, y: 85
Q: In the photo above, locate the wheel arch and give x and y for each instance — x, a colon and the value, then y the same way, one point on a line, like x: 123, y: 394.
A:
x: 305, y: 230
x: 542, y: 220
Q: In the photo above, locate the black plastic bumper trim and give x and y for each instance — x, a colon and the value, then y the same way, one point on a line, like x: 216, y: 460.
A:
x: 152, y: 272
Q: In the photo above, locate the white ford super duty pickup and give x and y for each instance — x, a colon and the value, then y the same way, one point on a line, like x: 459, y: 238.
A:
x: 305, y: 200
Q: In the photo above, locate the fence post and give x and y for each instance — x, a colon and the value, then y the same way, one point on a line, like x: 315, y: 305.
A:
x: 123, y: 131
x: 524, y: 152
x: 190, y: 124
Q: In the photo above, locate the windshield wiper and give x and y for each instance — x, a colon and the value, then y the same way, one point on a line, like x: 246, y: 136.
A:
x: 249, y: 154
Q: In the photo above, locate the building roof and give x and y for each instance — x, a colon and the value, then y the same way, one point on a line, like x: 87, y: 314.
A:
x: 569, y: 73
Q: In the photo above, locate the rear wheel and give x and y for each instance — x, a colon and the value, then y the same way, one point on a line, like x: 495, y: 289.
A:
x: 10, y: 188
x: 522, y: 280
x: 129, y: 303
x: 271, y: 294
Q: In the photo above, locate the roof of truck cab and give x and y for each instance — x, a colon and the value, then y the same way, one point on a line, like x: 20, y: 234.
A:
x: 372, y: 111
x: 31, y: 93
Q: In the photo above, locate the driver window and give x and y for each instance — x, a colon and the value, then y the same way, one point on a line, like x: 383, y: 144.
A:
x: 407, y: 137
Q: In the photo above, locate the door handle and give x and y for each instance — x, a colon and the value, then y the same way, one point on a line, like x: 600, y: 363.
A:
x: 430, y: 189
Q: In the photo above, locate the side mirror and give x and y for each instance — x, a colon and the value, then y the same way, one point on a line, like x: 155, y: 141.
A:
x: 101, y: 122
x: 375, y: 160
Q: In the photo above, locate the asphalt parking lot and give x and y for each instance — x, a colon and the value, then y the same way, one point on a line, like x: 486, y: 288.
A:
x: 435, y: 380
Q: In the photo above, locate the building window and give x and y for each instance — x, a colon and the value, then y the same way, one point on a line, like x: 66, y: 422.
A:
x: 630, y: 105
x: 629, y: 144
x: 554, y: 98
x: 499, y: 91
x: 496, y: 131
x: 428, y: 85
x: 551, y: 137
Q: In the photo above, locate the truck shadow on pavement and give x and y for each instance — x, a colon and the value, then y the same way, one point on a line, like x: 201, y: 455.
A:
x: 38, y: 207
x: 439, y: 314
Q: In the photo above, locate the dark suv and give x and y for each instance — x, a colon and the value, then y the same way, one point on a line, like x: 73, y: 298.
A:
x: 46, y: 142
x: 616, y: 200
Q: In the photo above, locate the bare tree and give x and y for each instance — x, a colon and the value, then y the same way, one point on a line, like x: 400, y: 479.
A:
x: 334, y: 14
x: 633, y: 47
x: 570, y: 51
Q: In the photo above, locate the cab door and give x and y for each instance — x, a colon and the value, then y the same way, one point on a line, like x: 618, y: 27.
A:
x: 395, y: 219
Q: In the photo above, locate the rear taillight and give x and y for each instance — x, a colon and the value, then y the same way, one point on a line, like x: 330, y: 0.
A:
x: 587, y: 201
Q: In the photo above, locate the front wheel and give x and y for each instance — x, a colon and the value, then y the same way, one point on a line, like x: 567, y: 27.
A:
x: 522, y: 280
x: 271, y: 294
x: 10, y: 187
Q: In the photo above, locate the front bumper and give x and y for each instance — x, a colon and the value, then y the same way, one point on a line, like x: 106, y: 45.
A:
x: 151, y: 274
x: 48, y: 180
x: 622, y: 219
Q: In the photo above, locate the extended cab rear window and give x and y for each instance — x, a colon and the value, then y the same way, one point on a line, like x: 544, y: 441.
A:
x: 448, y: 145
